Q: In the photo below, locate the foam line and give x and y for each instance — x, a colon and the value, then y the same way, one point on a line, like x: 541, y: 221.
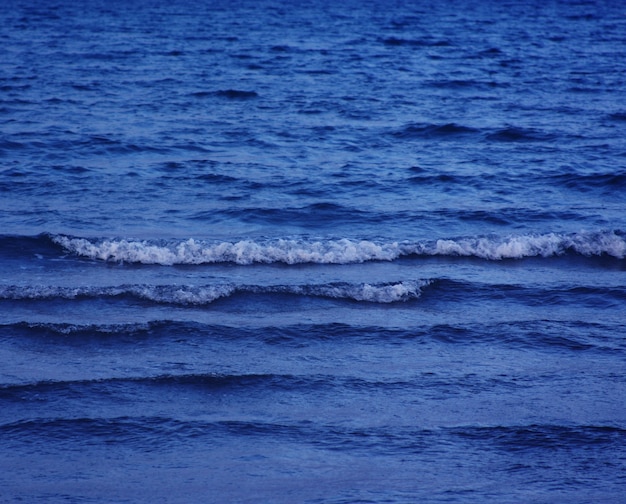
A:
x: 343, y: 251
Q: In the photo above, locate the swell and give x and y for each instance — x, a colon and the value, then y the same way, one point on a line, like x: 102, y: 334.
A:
x: 207, y: 382
x: 546, y: 436
x: 453, y: 131
x: 566, y: 294
x: 605, y: 182
x: 58, y: 142
x: 542, y: 335
x: 27, y: 247
x: 243, y: 384
x: 293, y: 251
x: 613, y: 182
x: 323, y: 212
x: 439, y: 290
x: 161, y: 432
x: 72, y: 180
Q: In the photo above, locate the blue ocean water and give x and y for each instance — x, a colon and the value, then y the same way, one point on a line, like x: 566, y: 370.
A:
x: 283, y: 251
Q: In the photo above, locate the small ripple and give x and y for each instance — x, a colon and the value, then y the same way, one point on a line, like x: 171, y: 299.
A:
x: 426, y: 131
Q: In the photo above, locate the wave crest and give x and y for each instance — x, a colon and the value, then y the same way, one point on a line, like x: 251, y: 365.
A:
x: 243, y: 252
x: 544, y: 245
x: 343, y: 251
x: 186, y: 295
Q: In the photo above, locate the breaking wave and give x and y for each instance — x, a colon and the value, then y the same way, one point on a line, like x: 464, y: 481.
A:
x: 203, y: 295
x: 342, y: 251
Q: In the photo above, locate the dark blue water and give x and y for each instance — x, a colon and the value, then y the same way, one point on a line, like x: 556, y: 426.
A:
x: 272, y: 251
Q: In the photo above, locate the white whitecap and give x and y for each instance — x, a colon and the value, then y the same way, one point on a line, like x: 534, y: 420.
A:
x: 343, y: 251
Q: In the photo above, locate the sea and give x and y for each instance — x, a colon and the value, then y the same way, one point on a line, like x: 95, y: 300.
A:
x: 288, y: 251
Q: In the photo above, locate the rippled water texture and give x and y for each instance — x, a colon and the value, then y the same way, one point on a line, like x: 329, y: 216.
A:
x: 396, y: 118
x: 275, y: 251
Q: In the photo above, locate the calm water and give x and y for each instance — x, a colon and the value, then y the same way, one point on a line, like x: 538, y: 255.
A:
x: 272, y: 251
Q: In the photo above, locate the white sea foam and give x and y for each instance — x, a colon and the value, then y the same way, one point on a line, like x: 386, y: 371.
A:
x: 544, y: 245
x: 373, y: 293
x: 158, y: 293
x: 241, y: 252
x: 343, y: 251
x: 202, y: 295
